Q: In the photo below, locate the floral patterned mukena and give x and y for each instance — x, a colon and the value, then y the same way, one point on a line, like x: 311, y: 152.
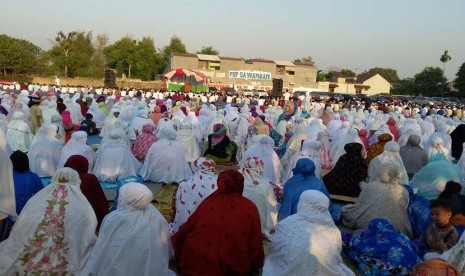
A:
x: 46, y: 252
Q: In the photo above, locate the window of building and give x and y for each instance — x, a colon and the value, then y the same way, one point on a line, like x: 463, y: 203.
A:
x: 214, y: 66
x: 280, y: 69
x: 203, y: 64
x: 290, y: 73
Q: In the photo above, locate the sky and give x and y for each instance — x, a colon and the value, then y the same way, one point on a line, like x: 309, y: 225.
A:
x: 406, y: 35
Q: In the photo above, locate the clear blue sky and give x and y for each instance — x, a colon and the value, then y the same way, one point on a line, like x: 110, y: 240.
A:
x: 403, y: 34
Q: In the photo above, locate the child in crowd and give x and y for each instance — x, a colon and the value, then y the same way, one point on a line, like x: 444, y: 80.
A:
x: 89, y: 126
x: 440, y: 235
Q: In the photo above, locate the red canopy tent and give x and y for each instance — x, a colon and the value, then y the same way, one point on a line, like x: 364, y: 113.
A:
x: 180, y: 72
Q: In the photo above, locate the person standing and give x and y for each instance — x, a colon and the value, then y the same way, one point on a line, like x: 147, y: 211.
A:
x: 35, y: 114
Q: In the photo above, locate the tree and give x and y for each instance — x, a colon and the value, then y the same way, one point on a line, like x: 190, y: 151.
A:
x: 64, y: 42
x: 134, y: 58
x: 348, y: 73
x: 19, y: 56
x: 208, y: 51
x: 146, y: 66
x: 72, y: 54
x: 460, y: 80
x: 307, y: 60
x: 387, y: 73
x: 405, y: 87
x: 429, y: 81
x: 122, y: 55
x: 323, y: 76
x: 444, y: 58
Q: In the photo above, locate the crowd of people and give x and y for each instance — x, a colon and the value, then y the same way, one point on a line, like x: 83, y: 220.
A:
x: 298, y: 169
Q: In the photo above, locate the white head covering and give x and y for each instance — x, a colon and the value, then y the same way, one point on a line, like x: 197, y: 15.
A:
x: 4, y: 145
x: 258, y: 189
x: 194, y: 190
x: 165, y: 160
x: 54, y: 232
x: 264, y: 150
x: 77, y: 145
x: 166, y: 133
x: 49, y: 111
x: 308, y: 242
x: 437, y: 147
x: 138, y: 123
x: 7, y: 188
x: 189, y: 135
x: 310, y: 150
x: 19, y: 134
x: 45, y: 150
x: 115, y: 159
x: 338, y: 149
x: 60, y: 133
x: 390, y: 155
x: 99, y: 116
x: 135, y: 214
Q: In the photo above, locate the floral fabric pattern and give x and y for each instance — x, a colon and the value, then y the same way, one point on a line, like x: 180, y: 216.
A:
x: 381, y: 250
x: 46, y: 252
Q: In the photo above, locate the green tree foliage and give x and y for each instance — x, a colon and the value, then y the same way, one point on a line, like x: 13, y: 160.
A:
x: 323, y: 76
x: 429, y: 82
x: 348, y: 73
x: 208, y: 51
x: 72, y: 53
x: 388, y: 73
x: 405, y: 87
x: 135, y: 59
x: 19, y: 56
x: 122, y: 55
x: 460, y: 80
x: 147, y: 64
x: 444, y: 59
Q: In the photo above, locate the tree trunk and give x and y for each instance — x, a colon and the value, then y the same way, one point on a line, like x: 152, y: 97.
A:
x: 129, y: 71
x: 66, y: 71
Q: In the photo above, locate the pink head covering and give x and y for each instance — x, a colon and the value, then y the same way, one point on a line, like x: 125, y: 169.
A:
x: 363, y: 136
x: 66, y: 117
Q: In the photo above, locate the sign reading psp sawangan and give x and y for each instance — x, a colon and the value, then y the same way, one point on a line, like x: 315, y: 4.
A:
x: 249, y: 75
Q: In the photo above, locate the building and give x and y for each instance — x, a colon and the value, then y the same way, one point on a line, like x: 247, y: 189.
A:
x: 246, y: 73
x: 366, y: 83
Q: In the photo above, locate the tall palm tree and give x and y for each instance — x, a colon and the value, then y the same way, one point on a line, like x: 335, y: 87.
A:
x: 444, y: 58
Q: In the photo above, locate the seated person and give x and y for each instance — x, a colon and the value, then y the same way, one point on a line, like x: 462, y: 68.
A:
x: 349, y: 171
x: 304, y: 179
x: 26, y: 182
x: 308, y: 242
x: 165, y: 160
x: 384, y: 198
x: 219, y: 148
x: 90, y: 186
x: 115, y: 159
x: 136, y: 226
x: 440, y: 235
x: 89, y: 126
x: 381, y: 250
x: 453, y: 194
x: 223, y: 235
